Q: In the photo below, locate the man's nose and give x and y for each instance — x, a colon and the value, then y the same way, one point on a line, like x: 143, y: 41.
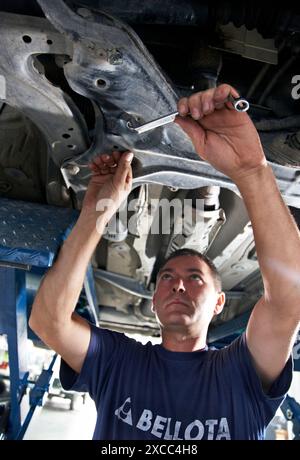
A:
x: 178, y: 286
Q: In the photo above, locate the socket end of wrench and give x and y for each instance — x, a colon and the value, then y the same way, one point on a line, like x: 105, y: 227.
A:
x: 239, y: 103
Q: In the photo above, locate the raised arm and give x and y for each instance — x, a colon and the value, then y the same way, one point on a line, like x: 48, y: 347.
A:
x: 52, y: 316
x: 229, y: 141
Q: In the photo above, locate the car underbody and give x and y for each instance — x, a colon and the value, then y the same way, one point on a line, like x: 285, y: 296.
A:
x: 73, y: 74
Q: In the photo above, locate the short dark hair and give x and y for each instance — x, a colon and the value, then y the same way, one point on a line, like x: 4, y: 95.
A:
x: 192, y: 252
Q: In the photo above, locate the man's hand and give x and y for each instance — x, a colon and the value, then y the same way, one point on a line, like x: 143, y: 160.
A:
x: 223, y: 137
x: 111, y: 180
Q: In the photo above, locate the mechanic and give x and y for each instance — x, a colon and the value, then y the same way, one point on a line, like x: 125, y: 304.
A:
x: 181, y: 389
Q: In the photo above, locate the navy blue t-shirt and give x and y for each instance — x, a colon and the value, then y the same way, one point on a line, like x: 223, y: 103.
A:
x: 148, y: 392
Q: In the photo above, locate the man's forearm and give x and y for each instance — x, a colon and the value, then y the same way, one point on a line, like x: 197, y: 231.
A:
x: 60, y: 289
x: 276, y: 236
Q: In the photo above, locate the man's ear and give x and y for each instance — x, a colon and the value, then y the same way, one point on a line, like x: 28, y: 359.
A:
x: 220, y: 303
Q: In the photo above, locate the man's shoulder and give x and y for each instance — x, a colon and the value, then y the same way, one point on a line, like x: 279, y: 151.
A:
x: 101, y: 333
x: 237, y: 345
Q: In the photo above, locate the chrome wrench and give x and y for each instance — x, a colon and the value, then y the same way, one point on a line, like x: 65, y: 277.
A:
x: 239, y: 103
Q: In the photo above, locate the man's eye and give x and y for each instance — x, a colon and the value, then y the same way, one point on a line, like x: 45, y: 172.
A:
x: 166, y: 276
x: 194, y: 276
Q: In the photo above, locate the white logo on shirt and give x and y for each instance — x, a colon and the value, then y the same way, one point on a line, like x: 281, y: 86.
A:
x: 122, y: 414
x: 167, y: 428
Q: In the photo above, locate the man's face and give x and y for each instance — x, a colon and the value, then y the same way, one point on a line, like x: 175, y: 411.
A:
x: 185, y: 294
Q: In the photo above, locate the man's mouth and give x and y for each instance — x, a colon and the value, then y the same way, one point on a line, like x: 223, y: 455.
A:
x: 178, y: 302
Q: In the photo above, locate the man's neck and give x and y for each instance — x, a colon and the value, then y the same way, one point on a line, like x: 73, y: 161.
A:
x: 177, y: 341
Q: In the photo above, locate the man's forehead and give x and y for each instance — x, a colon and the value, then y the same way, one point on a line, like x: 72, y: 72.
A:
x: 186, y: 263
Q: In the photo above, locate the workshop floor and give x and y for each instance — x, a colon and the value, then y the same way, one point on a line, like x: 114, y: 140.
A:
x: 55, y: 420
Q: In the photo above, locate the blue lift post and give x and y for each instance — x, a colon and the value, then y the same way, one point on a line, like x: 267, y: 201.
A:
x: 13, y: 323
x: 36, y: 396
x: 30, y: 236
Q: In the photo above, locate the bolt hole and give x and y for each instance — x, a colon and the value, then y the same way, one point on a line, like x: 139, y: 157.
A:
x: 71, y: 146
x: 26, y: 39
x: 50, y: 42
x: 101, y: 83
x: 66, y: 136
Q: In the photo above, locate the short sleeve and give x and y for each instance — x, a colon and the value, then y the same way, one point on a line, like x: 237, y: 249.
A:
x: 104, y: 348
x: 243, y: 363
